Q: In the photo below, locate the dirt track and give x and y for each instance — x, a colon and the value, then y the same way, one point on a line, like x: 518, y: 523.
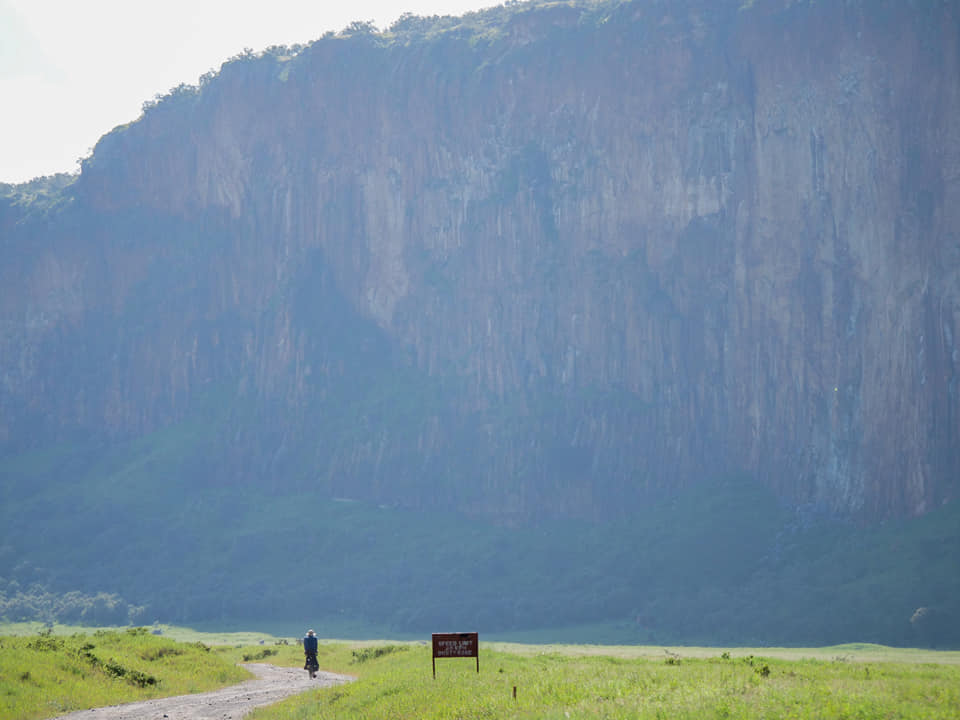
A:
x: 271, y: 685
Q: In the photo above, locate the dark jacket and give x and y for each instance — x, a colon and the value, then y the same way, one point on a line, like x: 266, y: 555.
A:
x: 310, y: 644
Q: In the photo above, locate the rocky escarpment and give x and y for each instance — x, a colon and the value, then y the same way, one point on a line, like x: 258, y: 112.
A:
x: 552, y: 258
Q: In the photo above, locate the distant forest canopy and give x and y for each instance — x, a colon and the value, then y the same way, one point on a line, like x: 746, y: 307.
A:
x: 723, y: 564
x: 36, y: 603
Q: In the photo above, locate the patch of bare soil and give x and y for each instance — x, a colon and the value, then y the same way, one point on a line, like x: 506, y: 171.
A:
x: 271, y: 685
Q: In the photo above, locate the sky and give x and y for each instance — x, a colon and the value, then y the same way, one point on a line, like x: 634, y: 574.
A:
x: 72, y: 70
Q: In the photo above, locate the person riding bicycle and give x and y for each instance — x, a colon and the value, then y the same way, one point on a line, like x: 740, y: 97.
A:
x: 310, y: 650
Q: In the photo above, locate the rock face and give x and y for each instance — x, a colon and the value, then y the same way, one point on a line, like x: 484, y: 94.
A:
x: 539, y: 260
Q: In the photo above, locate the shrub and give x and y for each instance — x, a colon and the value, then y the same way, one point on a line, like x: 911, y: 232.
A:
x: 361, y: 656
x: 45, y: 642
x: 259, y: 655
x: 140, y: 679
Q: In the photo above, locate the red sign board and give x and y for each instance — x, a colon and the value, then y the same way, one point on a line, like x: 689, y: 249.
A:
x: 454, y: 645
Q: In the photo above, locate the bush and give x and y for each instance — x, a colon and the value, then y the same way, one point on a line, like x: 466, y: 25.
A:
x: 259, y: 655
x: 361, y: 656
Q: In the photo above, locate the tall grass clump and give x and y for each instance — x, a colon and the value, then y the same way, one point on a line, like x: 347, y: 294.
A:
x: 46, y: 675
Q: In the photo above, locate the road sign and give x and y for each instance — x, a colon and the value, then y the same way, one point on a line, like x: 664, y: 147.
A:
x: 454, y: 645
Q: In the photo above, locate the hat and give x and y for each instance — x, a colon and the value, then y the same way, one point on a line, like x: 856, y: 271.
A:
x: 309, y: 632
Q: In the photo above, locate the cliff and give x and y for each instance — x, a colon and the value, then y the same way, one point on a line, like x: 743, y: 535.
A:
x: 555, y: 258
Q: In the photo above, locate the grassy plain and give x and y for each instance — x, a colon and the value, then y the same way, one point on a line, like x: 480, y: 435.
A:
x: 849, y: 681
x: 45, y: 675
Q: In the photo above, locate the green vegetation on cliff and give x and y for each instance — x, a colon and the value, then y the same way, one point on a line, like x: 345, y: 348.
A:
x: 720, y: 563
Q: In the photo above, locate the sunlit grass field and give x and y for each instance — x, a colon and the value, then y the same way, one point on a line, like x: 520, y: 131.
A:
x: 43, y: 675
x: 856, y: 681
x: 46, y: 675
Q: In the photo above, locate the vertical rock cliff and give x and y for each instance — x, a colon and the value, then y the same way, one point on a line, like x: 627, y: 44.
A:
x: 552, y: 258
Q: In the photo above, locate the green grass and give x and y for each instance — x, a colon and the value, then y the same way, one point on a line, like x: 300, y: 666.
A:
x: 49, y: 674
x: 46, y: 675
x: 856, y: 681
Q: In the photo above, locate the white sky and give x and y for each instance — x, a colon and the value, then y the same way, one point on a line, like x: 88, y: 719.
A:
x: 72, y: 70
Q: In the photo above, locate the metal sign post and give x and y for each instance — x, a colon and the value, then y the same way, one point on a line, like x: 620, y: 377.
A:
x: 450, y: 645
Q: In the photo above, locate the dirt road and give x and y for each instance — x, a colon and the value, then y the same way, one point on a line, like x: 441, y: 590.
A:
x: 271, y: 685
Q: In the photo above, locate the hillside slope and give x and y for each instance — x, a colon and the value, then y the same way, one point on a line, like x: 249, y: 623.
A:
x: 550, y: 261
